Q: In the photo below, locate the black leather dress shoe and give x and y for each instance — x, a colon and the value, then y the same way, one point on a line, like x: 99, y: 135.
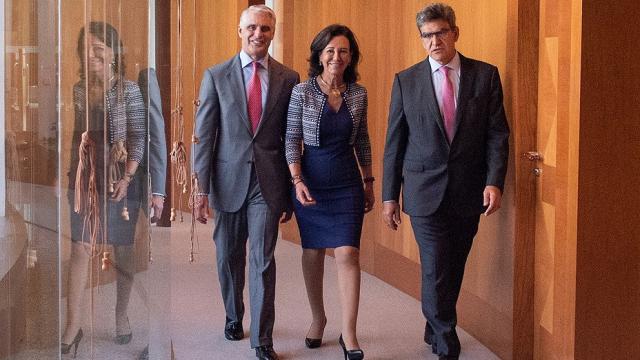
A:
x: 313, y: 343
x: 233, y: 331
x: 427, y: 333
x: 266, y: 352
x: 444, y: 357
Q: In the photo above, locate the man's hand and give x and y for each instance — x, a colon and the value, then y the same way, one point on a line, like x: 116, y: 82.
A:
x: 391, y: 214
x: 492, y: 199
x: 156, y: 205
x: 201, y: 208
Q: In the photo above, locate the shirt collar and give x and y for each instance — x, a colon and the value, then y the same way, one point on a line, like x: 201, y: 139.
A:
x: 245, y: 60
x: 454, y: 64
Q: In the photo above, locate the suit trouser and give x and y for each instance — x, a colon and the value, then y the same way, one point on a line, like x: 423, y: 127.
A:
x: 444, y: 242
x: 257, y: 222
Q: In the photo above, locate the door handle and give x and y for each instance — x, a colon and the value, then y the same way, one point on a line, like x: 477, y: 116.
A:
x: 532, y: 156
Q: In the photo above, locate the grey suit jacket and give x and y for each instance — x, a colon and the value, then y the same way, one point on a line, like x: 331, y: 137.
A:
x: 157, y: 156
x: 419, y: 159
x: 228, y: 151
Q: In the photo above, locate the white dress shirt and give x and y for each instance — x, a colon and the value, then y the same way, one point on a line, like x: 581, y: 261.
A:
x: 437, y: 77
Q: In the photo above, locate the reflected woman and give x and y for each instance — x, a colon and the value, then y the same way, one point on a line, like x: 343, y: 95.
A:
x: 109, y: 116
x: 328, y: 120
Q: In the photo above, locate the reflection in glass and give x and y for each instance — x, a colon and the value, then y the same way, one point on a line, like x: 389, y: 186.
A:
x: 106, y: 191
x: 66, y: 89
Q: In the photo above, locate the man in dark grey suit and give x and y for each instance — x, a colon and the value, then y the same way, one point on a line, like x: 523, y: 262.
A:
x: 240, y: 165
x: 447, y: 148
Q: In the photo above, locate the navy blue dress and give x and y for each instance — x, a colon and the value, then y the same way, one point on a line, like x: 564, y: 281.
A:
x: 119, y: 231
x: 331, y: 173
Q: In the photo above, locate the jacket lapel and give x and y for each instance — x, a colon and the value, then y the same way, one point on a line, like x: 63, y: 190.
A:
x: 236, y: 83
x: 467, y: 77
x: 273, y: 93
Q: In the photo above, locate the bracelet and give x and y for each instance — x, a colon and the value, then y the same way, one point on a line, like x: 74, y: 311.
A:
x: 297, y: 181
x: 369, y: 179
x: 296, y: 177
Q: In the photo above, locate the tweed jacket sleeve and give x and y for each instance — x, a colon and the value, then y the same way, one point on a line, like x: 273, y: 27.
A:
x: 359, y: 109
x: 136, y: 120
x: 293, y: 136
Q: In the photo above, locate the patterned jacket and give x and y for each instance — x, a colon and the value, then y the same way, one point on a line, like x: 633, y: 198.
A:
x: 303, y: 120
x: 126, y: 116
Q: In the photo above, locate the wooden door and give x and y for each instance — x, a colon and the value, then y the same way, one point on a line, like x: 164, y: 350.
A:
x: 544, y: 171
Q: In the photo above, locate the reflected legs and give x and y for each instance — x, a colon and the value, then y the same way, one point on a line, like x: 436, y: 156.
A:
x: 125, y: 260
x: 78, y: 274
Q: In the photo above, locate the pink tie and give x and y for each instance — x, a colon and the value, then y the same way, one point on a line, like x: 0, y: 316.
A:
x: 448, y: 104
x: 254, y: 106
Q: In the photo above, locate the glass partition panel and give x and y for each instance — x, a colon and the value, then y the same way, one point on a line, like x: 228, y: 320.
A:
x: 75, y: 271
x: 29, y: 247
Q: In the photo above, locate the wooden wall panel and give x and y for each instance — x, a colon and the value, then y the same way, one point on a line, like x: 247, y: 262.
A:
x: 607, y: 306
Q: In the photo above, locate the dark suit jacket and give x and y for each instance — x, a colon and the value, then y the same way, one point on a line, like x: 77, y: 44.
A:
x: 228, y: 150
x: 419, y: 159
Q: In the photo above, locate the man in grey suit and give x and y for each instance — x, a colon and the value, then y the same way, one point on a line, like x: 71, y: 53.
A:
x: 447, y: 148
x: 157, y: 156
x: 241, y: 167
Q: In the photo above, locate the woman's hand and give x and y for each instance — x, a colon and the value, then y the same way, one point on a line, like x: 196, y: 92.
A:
x: 120, y: 190
x: 369, y: 197
x: 303, y: 195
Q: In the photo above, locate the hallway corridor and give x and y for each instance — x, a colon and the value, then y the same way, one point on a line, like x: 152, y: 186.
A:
x: 390, y: 322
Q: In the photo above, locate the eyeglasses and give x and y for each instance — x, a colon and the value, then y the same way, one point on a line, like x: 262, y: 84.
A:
x: 437, y: 34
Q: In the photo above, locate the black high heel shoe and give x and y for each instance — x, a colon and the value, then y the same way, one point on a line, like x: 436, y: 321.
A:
x: 314, y: 343
x: 356, y: 354
x: 66, y: 348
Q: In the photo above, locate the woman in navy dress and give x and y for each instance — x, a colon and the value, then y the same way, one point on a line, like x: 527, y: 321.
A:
x: 326, y: 140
